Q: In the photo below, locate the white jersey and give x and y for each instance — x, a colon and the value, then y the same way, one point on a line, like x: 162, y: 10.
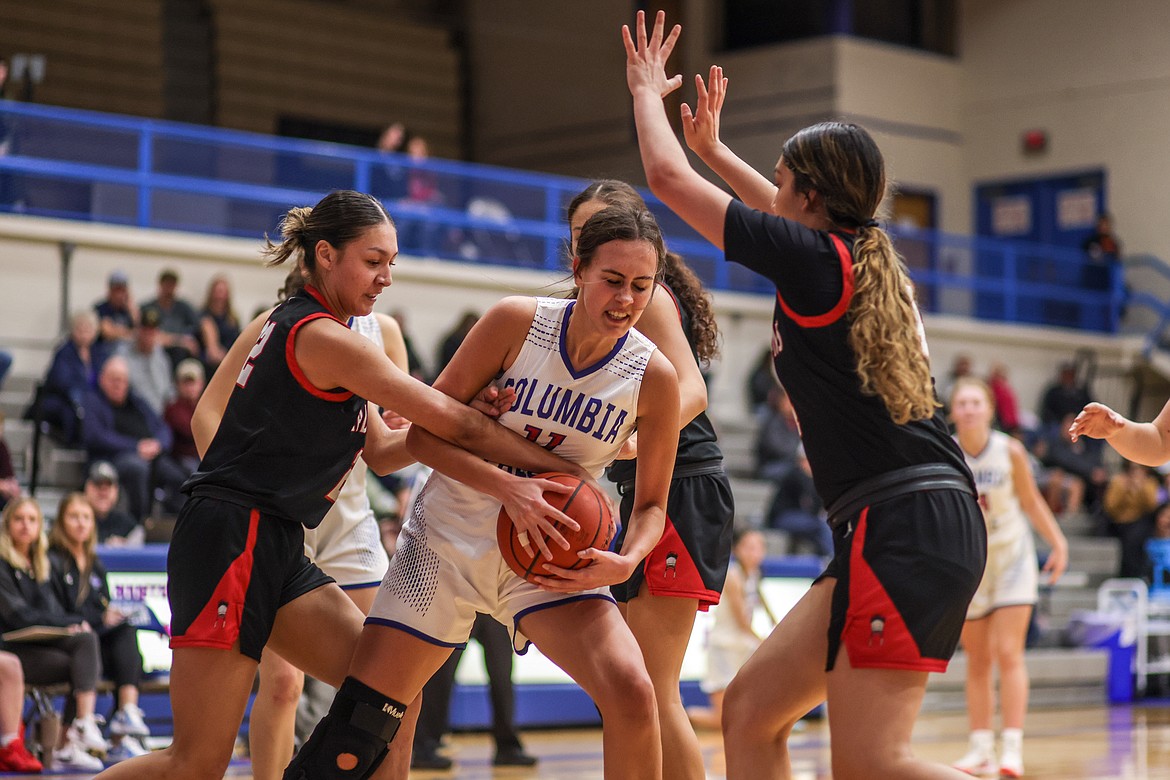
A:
x: 582, y: 415
x: 347, y: 545
x: 992, y: 469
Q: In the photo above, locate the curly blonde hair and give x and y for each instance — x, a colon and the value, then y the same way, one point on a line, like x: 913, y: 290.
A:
x: 842, y: 163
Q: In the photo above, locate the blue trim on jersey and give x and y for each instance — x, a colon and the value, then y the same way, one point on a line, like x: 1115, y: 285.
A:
x: 547, y: 605
x: 412, y: 631
x: 361, y: 585
x: 565, y: 355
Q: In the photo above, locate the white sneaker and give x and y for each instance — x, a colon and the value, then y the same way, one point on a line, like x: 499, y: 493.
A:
x: 124, y: 748
x: 1011, y: 757
x: 980, y: 756
x: 74, y: 756
x: 87, y: 733
x: 128, y: 721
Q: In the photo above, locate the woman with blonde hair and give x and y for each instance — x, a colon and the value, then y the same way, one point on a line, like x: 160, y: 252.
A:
x: 27, y: 600
x: 79, y: 582
x: 909, y: 540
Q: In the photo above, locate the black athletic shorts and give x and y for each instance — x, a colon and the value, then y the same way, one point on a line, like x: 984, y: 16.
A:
x: 229, y: 569
x: 690, y: 561
x: 906, y: 569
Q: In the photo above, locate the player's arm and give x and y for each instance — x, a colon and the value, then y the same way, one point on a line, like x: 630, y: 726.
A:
x: 385, y: 448
x: 1036, y: 508
x: 1145, y: 443
x: 657, y: 445
x: 209, y: 411
x: 734, y: 598
x: 661, y: 324
x: 700, y: 203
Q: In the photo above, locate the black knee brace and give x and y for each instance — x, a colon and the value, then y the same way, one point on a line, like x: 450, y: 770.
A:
x: 352, y: 740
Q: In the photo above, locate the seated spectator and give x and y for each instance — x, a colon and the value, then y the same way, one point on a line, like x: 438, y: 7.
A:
x: 190, y: 379
x: 121, y: 427
x: 1007, y: 406
x: 1104, y: 252
x: 219, y: 327
x: 1063, y: 396
x: 777, y: 438
x: 453, y: 338
x: 960, y: 368
x: 1075, y: 474
x: 79, y: 582
x: 150, y: 368
x: 14, y: 756
x: 9, y: 486
x: 796, y: 508
x: 760, y: 382
x: 115, y: 526
x: 176, y: 319
x: 27, y: 600
x: 73, y: 370
x: 1130, y: 500
x: 117, y: 314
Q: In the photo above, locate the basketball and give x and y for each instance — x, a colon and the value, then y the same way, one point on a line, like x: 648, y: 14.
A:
x: 585, y: 505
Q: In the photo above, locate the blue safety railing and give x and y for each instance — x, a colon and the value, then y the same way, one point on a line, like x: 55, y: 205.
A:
x: 105, y: 168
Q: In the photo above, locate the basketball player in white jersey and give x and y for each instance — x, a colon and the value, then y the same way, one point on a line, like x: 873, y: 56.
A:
x: 584, y: 379
x: 997, y: 620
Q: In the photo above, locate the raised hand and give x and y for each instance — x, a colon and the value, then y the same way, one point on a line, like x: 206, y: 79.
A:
x: 646, y: 61
x: 701, y: 126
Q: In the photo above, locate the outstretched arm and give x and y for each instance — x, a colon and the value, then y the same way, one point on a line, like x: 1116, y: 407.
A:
x: 697, y: 201
x: 701, y: 130
x: 1145, y: 443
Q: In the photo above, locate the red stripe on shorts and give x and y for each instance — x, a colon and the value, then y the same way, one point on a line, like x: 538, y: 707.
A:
x: 875, y: 634
x: 670, y: 571
x: 218, y: 624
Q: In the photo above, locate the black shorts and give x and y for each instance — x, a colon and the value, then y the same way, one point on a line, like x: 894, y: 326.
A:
x: 690, y: 561
x: 906, y: 569
x: 229, y: 569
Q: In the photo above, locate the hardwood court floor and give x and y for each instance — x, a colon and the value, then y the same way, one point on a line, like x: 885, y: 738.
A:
x: 1086, y: 743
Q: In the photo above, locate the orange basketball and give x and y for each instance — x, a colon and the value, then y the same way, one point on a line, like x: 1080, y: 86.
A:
x: 585, y: 505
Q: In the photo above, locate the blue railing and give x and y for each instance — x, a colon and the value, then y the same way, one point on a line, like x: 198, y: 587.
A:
x: 105, y: 168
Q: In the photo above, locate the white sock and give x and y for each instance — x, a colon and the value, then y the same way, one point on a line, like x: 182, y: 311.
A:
x: 984, y: 739
x: 8, y: 739
x: 1013, y: 738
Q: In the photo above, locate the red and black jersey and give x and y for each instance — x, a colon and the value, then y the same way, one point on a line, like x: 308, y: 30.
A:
x: 848, y: 435
x: 283, y: 446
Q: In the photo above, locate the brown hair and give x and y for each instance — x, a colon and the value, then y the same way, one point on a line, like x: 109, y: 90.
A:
x: 59, y: 541
x: 38, y: 559
x: 620, y: 223
x: 679, y: 277
x: 842, y: 163
x: 337, y: 219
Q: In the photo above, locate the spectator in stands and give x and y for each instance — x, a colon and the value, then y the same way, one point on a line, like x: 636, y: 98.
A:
x: 731, y: 640
x: 26, y: 601
x: 1074, y: 468
x: 150, y: 368
x: 393, y: 138
x: 422, y: 189
x: 9, y: 486
x: 1104, y: 253
x: 797, y: 509
x: 1063, y: 396
x: 453, y: 338
x: 434, y: 715
x: 777, y: 438
x: 14, y: 756
x: 79, y: 582
x: 960, y: 368
x: 117, y: 314
x: 190, y: 379
x: 176, y: 317
x: 218, y: 325
x: 121, y: 427
x: 1130, y: 500
x: 414, y: 362
x: 73, y: 370
x: 1007, y: 407
x: 115, y: 526
x: 760, y: 383
x: 5, y: 365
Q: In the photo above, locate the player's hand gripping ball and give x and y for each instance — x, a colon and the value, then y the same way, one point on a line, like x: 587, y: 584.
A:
x: 585, y: 505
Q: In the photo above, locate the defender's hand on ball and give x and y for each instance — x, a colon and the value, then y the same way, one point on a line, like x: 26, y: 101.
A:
x: 536, y: 519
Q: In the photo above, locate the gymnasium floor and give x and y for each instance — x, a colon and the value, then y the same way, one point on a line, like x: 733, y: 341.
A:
x: 1088, y: 743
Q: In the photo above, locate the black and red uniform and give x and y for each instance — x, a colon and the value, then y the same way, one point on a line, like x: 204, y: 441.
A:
x: 690, y: 561
x: 278, y: 460
x: 908, y: 552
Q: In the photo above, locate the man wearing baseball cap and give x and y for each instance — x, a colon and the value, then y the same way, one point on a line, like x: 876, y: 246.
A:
x: 115, y: 526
